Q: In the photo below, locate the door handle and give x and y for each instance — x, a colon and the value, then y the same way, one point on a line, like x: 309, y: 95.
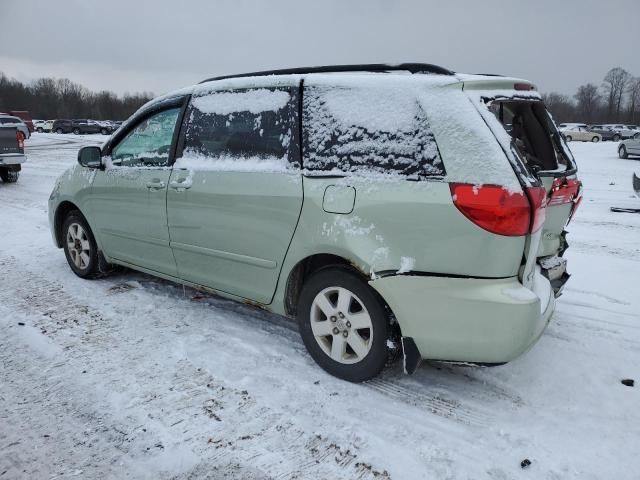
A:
x: 156, y: 185
x: 181, y: 184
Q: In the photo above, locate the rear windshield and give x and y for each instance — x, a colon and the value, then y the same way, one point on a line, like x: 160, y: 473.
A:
x: 534, y: 136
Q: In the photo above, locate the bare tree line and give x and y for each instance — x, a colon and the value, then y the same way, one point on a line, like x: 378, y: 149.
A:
x: 52, y: 98
x: 616, y: 100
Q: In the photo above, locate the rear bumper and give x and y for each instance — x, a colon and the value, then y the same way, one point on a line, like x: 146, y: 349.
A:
x: 12, y: 159
x: 468, y: 320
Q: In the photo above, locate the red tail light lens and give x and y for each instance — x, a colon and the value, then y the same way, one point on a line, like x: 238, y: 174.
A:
x: 20, y: 138
x: 538, y: 198
x: 493, y: 208
x: 564, y: 190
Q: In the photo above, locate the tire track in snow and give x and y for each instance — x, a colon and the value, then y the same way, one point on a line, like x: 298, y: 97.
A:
x: 434, y: 401
x: 188, y: 397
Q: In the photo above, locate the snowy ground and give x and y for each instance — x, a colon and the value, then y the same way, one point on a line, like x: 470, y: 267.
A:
x: 134, y: 377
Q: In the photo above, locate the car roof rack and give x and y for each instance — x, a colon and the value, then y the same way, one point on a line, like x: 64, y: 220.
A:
x: 367, y: 67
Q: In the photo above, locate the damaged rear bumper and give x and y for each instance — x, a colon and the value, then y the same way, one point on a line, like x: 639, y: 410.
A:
x: 485, y: 321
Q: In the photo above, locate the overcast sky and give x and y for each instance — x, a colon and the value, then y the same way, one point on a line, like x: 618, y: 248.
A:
x: 160, y: 45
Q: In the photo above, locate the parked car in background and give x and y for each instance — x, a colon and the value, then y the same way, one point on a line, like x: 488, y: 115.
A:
x: 457, y: 254
x: 563, y: 126
x: 630, y: 147
x: 25, y: 117
x: 106, y: 126
x: 582, y: 134
x: 605, y: 132
x: 12, y: 121
x: 622, y: 130
x: 62, y: 126
x: 11, y: 153
x: 43, y: 125
x: 79, y: 127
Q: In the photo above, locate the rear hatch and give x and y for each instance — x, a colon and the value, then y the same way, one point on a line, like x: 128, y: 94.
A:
x: 10, y: 144
x: 515, y: 113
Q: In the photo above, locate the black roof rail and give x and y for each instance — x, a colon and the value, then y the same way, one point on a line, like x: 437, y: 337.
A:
x: 366, y: 67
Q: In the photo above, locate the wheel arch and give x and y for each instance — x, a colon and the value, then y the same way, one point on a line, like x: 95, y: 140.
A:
x: 312, y: 264
x: 304, y: 269
x: 62, y: 210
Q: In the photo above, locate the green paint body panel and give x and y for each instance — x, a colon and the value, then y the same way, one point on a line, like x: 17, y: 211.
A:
x: 470, y: 320
x: 230, y: 230
x: 416, y: 220
x: 339, y: 199
x: 131, y: 218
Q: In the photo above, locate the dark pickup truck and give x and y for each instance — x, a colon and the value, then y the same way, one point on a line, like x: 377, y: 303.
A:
x: 11, y: 154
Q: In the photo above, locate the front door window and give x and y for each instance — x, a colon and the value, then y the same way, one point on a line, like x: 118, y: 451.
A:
x: 149, y: 143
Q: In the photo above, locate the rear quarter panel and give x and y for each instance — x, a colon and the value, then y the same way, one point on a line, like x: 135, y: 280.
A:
x: 399, y: 226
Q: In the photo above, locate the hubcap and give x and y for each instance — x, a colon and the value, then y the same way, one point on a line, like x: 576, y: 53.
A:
x: 78, y: 246
x: 341, y: 325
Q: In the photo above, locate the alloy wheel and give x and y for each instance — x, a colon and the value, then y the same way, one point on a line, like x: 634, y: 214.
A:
x: 78, y: 246
x: 341, y: 325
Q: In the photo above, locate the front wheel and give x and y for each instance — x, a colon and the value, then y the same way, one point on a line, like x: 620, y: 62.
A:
x: 569, y: 138
x: 343, y: 324
x: 40, y: 130
x: 622, y: 152
x: 9, y: 176
x: 104, y: 131
x: 595, y: 139
x: 76, y: 131
x: 616, y: 138
x: 80, y: 247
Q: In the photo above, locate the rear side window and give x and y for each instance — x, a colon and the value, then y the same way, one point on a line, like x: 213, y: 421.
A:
x: 350, y: 129
x: 246, y: 129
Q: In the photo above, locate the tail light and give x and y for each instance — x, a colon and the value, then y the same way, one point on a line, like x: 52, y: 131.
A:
x: 20, y: 138
x: 538, y: 198
x: 563, y: 191
x: 500, y: 211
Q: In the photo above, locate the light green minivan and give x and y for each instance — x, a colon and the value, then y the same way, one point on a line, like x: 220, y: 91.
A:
x: 389, y: 209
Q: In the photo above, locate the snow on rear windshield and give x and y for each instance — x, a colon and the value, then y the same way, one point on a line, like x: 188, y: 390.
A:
x: 368, y: 128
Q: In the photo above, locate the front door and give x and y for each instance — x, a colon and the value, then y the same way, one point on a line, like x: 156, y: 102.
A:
x: 128, y: 201
x: 235, y: 195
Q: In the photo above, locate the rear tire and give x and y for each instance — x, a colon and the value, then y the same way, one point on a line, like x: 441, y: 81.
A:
x: 343, y: 324
x: 622, y: 152
x: 40, y: 130
x: 569, y: 138
x: 616, y: 138
x: 80, y: 248
x: 595, y: 139
x: 59, y: 131
x: 104, y: 131
x: 76, y: 131
x: 8, y: 176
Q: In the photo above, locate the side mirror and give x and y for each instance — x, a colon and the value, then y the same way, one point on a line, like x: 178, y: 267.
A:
x: 90, y: 157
